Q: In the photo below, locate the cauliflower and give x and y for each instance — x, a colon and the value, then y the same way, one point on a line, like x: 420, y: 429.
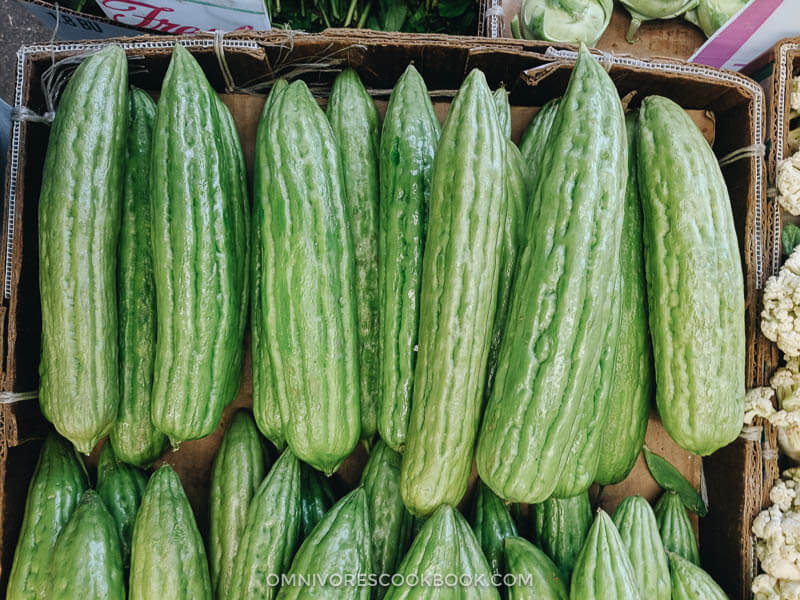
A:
x: 777, y: 533
x: 795, y: 93
x: 780, y: 317
x: 788, y: 182
x: 758, y: 403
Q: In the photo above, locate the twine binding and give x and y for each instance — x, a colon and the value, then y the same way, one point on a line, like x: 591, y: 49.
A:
x: 751, y: 433
x: 751, y: 151
x: 14, y: 397
x: 219, y: 51
x: 768, y: 453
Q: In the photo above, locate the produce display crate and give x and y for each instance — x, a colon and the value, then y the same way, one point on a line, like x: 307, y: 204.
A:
x: 728, y: 108
x: 673, y: 38
x: 786, y: 62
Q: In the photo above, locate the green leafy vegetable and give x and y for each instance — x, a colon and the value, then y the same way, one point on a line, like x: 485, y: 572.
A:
x: 790, y: 238
x: 669, y: 478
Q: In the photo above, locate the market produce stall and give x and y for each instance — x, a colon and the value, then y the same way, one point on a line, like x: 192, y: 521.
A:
x: 287, y: 262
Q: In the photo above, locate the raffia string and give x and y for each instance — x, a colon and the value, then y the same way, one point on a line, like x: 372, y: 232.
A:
x: 13, y: 397
x: 753, y: 150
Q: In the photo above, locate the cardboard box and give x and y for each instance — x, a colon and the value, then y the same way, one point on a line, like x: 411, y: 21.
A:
x: 729, y: 108
x: 674, y: 38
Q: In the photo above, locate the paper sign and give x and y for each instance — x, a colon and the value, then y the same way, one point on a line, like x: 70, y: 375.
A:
x: 188, y: 16
x: 753, y: 31
x: 74, y: 27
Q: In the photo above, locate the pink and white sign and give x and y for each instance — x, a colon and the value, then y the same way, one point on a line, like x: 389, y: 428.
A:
x: 752, y: 32
x: 188, y: 16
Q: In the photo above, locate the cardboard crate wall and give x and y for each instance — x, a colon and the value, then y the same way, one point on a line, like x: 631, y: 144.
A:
x: 728, y: 108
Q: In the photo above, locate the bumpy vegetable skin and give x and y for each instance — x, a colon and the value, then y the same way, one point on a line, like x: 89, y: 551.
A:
x: 79, y: 222
x: 468, y: 212
x: 238, y: 469
x: 58, y: 483
x: 567, y: 268
x: 134, y: 437
x: 201, y: 230
x: 87, y: 558
x: 120, y: 487
x: 270, y: 535
x: 308, y: 282
x: 356, y: 125
x: 266, y: 410
x: 695, y: 286
x: 633, y: 383
x: 408, y: 141
x: 339, y: 545
x: 168, y: 559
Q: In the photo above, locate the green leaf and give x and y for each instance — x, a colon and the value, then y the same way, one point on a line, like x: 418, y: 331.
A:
x: 669, y: 478
x: 790, y: 238
x: 453, y: 8
x: 394, y: 17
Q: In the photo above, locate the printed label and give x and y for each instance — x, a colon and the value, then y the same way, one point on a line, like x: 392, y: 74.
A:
x: 183, y: 17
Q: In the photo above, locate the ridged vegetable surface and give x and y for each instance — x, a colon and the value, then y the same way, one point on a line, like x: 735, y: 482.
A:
x: 638, y: 530
x: 632, y: 384
x: 603, y: 570
x: 201, y: 229
x: 316, y: 498
x: 512, y: 239
x: 79, y: 222
x: 339, y: 546
x: 560, y: 526
x: 390, y: 523
x: 675, y: 527
x: 695, y: 288
x: 524, y: 560
x: 583, y: 455
x: 355, y: 122
x: 266, y: 410
x: 87, y: 559
x: 168, y: 559
x: 309, y: 280
x: 561, y: 303
x: 461, y: 269
x: 134, y: 437
x: 238, y: 469
x: 503, y: 108
x: 58, y: 482
x: 492, y: 524
x: 534, y: 140
x: 270, y: 534
x: 445, y: 550
x: 690, y: 582
x: 408, y: 141
x: 120, y: 487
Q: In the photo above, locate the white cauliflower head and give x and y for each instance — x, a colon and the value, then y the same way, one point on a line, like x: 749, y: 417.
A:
x: 788, y: 183
x: 777, y: 533
x: 780, y: 317
x: 758, y: 403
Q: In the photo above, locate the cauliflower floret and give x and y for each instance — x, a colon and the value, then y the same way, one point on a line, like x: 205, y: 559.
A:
x: 782, y: 498
x: 758, y: 403
x: 764, y: 587
x: 788, y: 182
x: 790, y: 590
x: 795, y: 93
x: 777, y: 533
x: 780, y: 318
